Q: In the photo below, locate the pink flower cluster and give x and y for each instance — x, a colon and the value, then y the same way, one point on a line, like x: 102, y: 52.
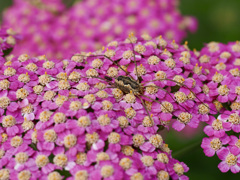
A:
x: 72, y: 115
x: 221, y: 62
x: 99, y: 115
x: 68, y: 118
x: 49, y: 28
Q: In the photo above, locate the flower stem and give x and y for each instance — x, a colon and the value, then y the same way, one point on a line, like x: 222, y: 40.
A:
x: 186, y: 149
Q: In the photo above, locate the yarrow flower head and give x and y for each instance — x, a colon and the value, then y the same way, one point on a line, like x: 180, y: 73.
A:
x: 95, y: 117
x: 220, y: 66
x: 99, y: 114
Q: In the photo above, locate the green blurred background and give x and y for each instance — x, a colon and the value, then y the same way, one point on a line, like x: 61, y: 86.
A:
x: 218, y: 21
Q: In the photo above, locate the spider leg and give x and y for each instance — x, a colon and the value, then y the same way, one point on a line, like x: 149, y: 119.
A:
x: 109, y: 82
x: 110, y: 87
x: 153, y: 81
x: 96, y: 78
x: 103, y: 79
x: 157, y: 102
x: 127, y: 73
x: 169, y: 95
x: 138, y: 79
x: 145, y: 107
x: 181, y: 84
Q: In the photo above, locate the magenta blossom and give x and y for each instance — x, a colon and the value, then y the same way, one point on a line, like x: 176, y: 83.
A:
x: 230, y: 160
x: 213, y: 144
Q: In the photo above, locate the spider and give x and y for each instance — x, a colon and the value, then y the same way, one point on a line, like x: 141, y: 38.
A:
x: 129, y: 85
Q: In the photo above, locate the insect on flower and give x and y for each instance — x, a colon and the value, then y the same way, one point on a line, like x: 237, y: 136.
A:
x: 153, y: 79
